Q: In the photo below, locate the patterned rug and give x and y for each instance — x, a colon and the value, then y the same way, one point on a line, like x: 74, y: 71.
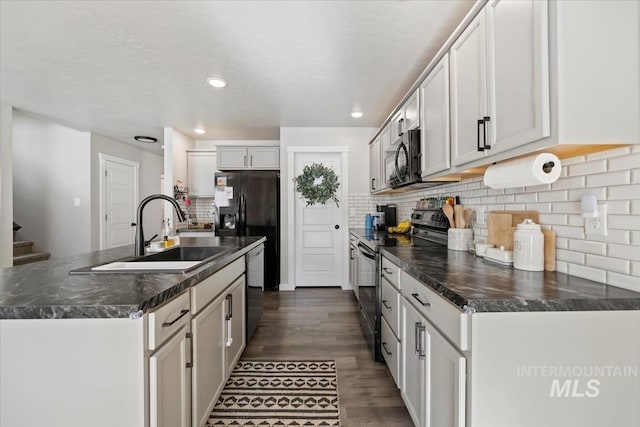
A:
x: 279, y: 393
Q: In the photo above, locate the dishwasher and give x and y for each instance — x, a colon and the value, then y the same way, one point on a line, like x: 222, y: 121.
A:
x: 255, y: 288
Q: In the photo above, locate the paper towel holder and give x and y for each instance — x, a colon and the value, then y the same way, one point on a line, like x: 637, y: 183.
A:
x: 589, y: 207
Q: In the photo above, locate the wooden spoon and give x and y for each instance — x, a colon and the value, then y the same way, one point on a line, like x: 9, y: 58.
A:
x: 458, y: 214
x: 467, y: 217
x: 448, y: 211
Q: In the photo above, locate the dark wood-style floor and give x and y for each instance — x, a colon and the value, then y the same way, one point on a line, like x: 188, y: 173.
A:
x: 322, y: 323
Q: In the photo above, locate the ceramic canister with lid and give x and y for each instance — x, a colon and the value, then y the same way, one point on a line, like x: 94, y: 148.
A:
x: 528, y: 247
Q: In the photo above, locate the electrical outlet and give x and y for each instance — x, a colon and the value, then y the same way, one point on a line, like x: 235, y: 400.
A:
x: 597, y: 226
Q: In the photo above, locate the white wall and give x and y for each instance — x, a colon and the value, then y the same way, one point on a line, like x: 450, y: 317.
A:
x: 356, y: 139
x: 51, y: 167
x: 175, y: 164
x: 6, y: 187
x: 151, y: 167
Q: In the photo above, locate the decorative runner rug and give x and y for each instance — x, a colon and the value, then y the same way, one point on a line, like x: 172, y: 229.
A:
x: 279, y: 393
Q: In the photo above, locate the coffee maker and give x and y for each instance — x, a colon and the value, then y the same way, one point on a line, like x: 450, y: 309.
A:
x: 389, y: 212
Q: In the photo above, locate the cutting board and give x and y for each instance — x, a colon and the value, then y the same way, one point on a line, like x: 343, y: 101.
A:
x: 549, y: 250
x: 502, y: 224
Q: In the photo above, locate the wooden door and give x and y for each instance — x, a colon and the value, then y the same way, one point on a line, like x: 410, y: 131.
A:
x: 209, y: 367
x: 119, y: 201
x: 318, y: 229
x: 468, y: 91
x: 434, y: 136
x: 170, y: 384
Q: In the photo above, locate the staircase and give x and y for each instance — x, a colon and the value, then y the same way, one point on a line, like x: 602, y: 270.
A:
x: 23, y: 250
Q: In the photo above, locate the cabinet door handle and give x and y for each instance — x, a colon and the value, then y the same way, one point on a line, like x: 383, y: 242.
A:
x: 416, y: 337
x: 386, y: 350
x: 229, y: 299
x: 421, y: 352
x: 485, y: 119
x: 384, y: 302
x: 373, y: 185
x: 244, y: 160
x: 400, y: 127
x: 417, y: 297
x: 251, y: 160
x: 386, y: 270
x: 480, y: 123
x: 182, y: 314
x: 190, y: 338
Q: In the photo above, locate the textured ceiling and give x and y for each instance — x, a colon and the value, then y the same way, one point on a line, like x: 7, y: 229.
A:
x: 125, y: 68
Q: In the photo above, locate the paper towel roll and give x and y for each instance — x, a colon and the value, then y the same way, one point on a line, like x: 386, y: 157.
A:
x: 543, y: 168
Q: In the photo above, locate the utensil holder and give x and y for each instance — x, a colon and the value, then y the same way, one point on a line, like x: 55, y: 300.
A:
x: 459, y: 239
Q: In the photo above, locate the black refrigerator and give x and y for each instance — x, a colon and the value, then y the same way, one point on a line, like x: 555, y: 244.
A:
x: 248, y: 204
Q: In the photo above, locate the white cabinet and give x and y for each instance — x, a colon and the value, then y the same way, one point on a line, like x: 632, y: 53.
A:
x: 434, y: 109
x: 209, y: 368
x: 388, y: 147
x: 353, y: 267
x: 411, y: 112
x: 500, y: 80
x: 374, y: 165
x: 170, y: 383
x: 235, y: 323
x: 414, y: 365
x: 248, y: 157
x: 201, y: 169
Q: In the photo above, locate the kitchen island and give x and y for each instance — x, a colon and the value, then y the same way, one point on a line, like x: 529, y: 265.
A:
x: 107, y: 349
x: 472, y: 343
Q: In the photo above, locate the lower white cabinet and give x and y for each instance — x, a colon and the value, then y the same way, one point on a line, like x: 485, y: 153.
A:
x: 170, y: 383
x: 433, y: 373
x: 235, y: 323
x: 209, y: 368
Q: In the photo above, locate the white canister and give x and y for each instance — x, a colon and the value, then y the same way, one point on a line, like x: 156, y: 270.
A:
x: 528, y: 247
x: 459, y: 239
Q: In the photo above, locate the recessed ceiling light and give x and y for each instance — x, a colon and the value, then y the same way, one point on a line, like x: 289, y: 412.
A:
x: 199, y: 131
x: 356, y: 114
x: 217, y: 82
x: 147, y: 139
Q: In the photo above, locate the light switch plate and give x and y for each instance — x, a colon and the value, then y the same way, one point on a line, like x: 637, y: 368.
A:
x: 76, y: 201
x: 597, y: 226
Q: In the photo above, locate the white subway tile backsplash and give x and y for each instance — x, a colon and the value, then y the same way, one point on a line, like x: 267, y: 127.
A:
x: 587, y: 168
x: 566, y: 183
x: 612, y: 176
x: 553, y: 219
x: 624, y: 222
x: 623, y: 252
x: 495, y: 191
x: 623, y: 192
x: 587, y: 272
x: 623, y: 281
x: 568, y: 256
x: 609, y: 178
x: 569, y: 232
x: 553, y: 196
x: 625, y: 162
x: 587, y: 246
x: 621, y: 151
x: 609, y: 263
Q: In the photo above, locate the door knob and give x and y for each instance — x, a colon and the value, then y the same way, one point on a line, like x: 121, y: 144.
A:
x: 337, y: 227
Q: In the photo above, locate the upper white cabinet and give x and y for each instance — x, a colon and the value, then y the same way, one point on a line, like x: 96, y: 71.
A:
x: 411, y: 112
x: 374, y: 165
x: 434, y: 107
x: 500, y: 80
x: 201, y: 169
x: 231, y: 158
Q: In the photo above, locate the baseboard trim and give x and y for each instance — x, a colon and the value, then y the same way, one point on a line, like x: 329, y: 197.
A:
x: 286, y: 287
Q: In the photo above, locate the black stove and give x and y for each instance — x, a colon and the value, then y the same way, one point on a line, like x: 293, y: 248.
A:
x: 429, y: 225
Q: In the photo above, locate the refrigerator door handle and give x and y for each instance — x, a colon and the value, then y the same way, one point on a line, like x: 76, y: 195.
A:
x: 243, y: 216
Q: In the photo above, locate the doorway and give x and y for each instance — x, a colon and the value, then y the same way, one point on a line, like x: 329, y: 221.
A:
x: 118, y: 201
x: 318, y: 234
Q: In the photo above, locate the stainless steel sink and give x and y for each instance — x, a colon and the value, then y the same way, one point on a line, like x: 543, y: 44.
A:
x: 175, y: 260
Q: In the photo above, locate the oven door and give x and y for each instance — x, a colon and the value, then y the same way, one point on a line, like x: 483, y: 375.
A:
x: 368, y: 293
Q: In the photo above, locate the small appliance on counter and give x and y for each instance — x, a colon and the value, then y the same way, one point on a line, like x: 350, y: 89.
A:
x: 389, y: 212
x: 429, y: 225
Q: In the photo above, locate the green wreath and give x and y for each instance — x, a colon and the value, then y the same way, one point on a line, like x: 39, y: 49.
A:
x: 317, y: 184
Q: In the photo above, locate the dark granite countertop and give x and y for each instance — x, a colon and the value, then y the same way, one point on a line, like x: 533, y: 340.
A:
x: 470, y: 281
x: 375, y: 239
x: 45, y: 290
